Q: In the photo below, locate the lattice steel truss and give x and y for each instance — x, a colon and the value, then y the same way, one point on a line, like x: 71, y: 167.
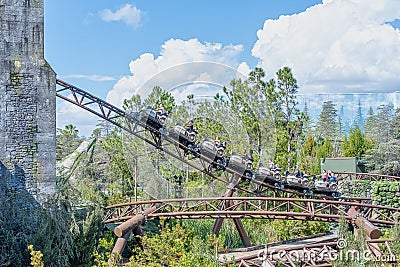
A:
x: 254, y: 207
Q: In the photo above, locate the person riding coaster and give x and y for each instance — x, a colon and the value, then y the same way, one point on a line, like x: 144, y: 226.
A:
x: 191, y: 131
x: 220, y: 146
x: 213, y: 155
x: 162, y: 114
x: 248, y: 160
x: 238, y: 165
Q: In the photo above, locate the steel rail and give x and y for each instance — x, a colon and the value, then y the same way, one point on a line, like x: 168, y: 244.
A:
x: 254, y: 207
x: 367, y: 176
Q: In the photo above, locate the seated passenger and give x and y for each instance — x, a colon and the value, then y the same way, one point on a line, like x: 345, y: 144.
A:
x: 190, y: 127
x: 278, y: 168
x: 217, y: 141
x: 160, y: 111
x: 332, y: 178
x: 271, y: 165
x: 314, y: 177
x: 247, y: 158
x: 223, y: 145
x: 324, y: 176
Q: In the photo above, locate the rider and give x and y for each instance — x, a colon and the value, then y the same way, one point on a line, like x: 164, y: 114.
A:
x: 324, y: 176
x: 271, y: 165
x: 190, y: 127
x: 217, y: 141
x: 160, y: 111
x: 332, y: 177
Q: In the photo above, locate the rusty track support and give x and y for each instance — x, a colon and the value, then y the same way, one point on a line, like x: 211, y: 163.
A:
x: 124, y: 231
x: 367, y: 176
x: 127, y: 226
x: 226, y: 206
x: 372, y: 231
x: 254, y: 207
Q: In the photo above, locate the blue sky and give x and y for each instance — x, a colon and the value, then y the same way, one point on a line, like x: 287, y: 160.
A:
x: 111, y: 48
x: 79, y: 41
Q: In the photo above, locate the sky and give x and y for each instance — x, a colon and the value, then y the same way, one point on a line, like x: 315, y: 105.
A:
x: 115, y: 49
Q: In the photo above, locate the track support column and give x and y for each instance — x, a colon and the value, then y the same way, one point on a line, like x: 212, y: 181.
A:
x: 238, y: 223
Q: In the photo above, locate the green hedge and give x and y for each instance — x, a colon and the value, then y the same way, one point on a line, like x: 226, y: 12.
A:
x: 386, y: 194
x: 382, y: 193
x: 356, y: 188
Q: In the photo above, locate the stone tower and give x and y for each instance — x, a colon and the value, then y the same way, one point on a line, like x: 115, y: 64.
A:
x: 27, y: 102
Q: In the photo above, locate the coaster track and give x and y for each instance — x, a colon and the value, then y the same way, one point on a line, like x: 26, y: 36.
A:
x: 171, y: 147
x: 253, y: 207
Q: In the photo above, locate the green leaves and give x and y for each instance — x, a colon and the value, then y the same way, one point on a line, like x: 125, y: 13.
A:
x: 356, y: 145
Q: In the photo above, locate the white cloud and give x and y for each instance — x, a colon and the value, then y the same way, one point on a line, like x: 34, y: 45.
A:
x: 179, y: 64
x: 129, y: 14
x: 68, y: 113
x: 92, y: 77
x: 339, y: 45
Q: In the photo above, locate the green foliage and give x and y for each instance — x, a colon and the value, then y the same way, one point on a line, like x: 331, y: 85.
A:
x: 384, y: 128
x: 358, y: 188
x: 354, y: 247
x: 308, y: 155
x: 160, y: 96
x: 173, y: 247
x: 272, y: 231
x: 328, y: 121
x: 356, y: 145
x: 65, y: 237
x: 281, y: 93
x: 67, y: 141
x: 386, y: 194
x: 395, y: 236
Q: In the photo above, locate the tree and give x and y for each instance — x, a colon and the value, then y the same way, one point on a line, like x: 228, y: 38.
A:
x: 281, y: 94
x: 356, y: 145
x: 370, y: 123
x: 160, y: 96
x: 70, y: 131
x: 328, y: 121
x: 308, y: 155
x: 383, y: 128
x: 246, y: 100
x: 67, y: 141
x: 133, y: 105
x: 324, y: 151
x: 359, y: 120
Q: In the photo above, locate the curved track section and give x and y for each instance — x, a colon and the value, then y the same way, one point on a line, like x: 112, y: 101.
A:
x: 253, y: 207
x: 367, y: 176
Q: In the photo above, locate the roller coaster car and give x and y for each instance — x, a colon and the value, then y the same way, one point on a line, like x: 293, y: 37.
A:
x: 270, y: 176
x: 327, y: 187
x: 150, y: 118
x: 214, y: 155
x: 240, y: 166
x: 302, y: 182
x: 187, y: 141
